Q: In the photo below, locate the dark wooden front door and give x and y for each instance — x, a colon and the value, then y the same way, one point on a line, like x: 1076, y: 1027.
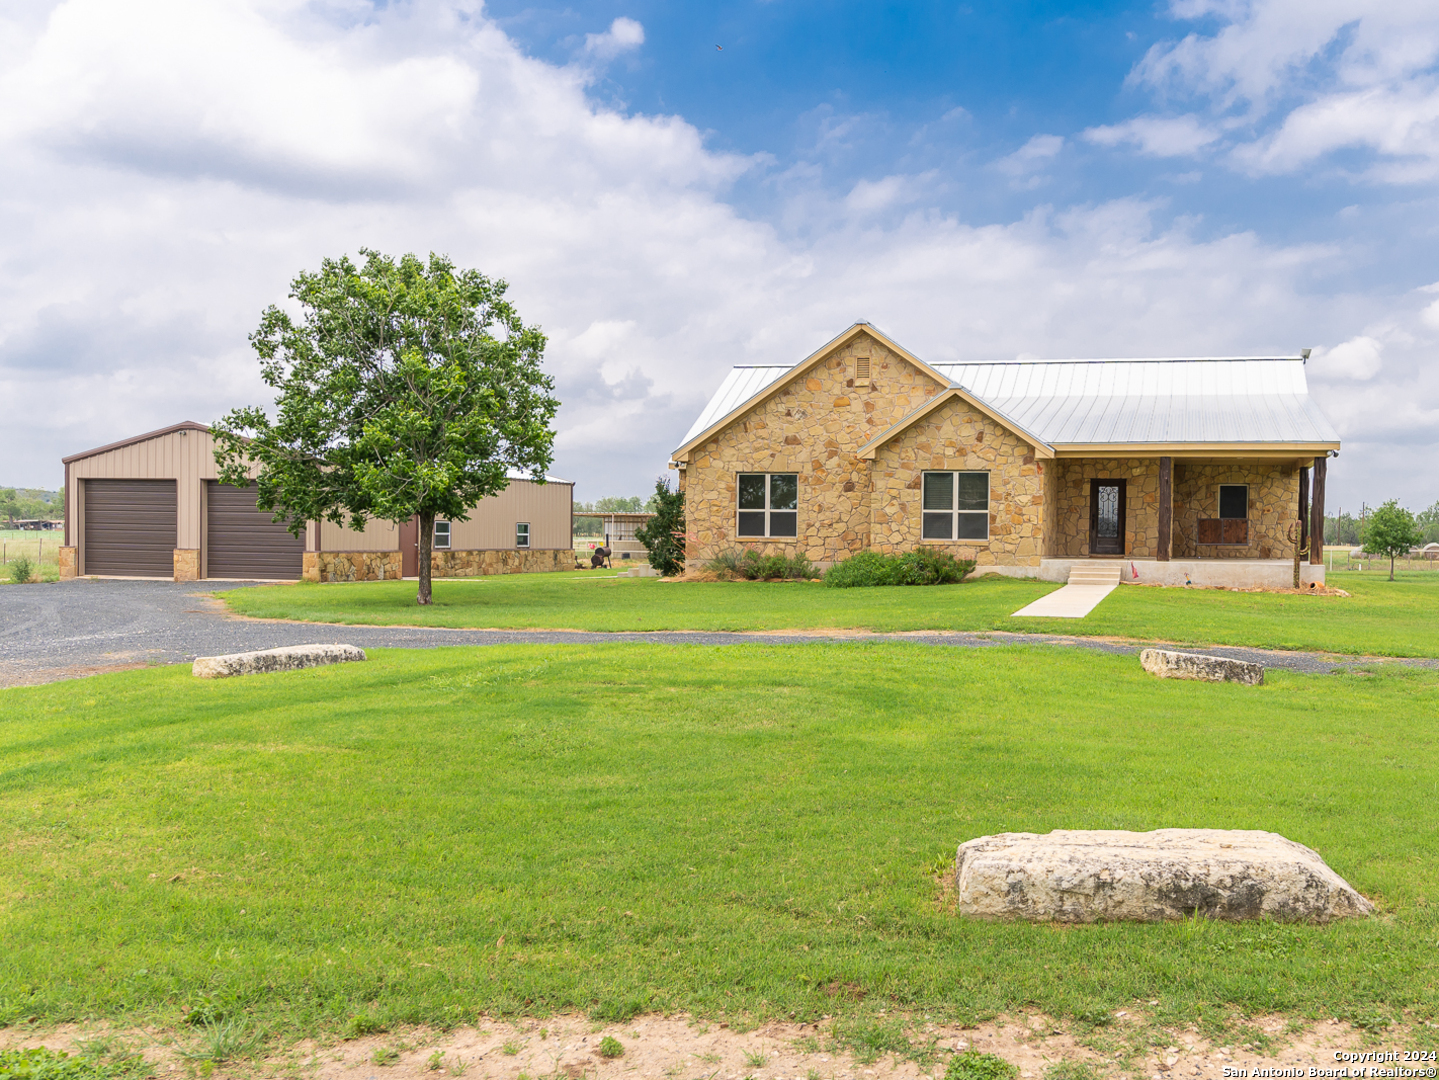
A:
x: 410, y: 548
x: 1106, y: 517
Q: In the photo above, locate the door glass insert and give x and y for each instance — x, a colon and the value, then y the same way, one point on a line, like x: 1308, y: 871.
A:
x: 1107, y: 496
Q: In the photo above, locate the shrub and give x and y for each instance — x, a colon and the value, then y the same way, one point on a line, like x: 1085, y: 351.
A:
x: 610, y: 1047
x: 662, y: 535
x: 922, y: 566
x: 22, y: 570
x: 752, y: 566
x: 972, y: 1065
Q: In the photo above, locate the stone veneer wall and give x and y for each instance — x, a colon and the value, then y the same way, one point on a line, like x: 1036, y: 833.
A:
x: 958, y: 437
x: 351, y: 566
x: 1070, y: 529
x: 814, y: 426
x: 511, y: 561
x: 386, y: 565
x: 1273, y: 506
x: 187, y: 564
x: 67, y: 563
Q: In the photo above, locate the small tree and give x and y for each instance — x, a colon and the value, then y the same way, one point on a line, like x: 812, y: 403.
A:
x: 1391, y: 531
x: 406, y: 389
x: 663, y: 534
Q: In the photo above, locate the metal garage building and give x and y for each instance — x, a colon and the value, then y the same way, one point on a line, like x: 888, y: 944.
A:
x: 152, y: 506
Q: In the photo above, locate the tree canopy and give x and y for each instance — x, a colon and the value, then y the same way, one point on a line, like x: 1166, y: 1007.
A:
x: 404, y: 389
x: 1391, y: 530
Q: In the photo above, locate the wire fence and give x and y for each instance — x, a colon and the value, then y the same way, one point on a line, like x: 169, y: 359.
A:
x: 41, y: 548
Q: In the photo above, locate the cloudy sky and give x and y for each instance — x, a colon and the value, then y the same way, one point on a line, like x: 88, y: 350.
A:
x: 674, y: 188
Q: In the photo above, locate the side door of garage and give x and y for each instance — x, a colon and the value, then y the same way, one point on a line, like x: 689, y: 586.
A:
x: 130, y: 528
x: 242, y: 542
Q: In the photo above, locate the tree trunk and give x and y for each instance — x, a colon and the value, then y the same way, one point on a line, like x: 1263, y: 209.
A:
x: 427, y: 536
x: 1391, y: 567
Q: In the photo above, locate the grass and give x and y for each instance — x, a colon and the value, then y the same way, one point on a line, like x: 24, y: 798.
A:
x: 41, y: 548
x: 1381, y: 617
x: 748, y: 831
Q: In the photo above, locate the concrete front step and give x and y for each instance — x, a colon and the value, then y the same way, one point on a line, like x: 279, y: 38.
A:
x: 1095, y: 573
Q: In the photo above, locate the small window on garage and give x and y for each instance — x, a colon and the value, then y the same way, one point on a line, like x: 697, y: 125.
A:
x: 442, y: 534
x: 522, y: 534
x: 1233, y: 500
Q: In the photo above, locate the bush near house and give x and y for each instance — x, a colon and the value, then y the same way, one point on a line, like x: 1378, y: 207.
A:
x: 922, y: 566
x: 752, y: 566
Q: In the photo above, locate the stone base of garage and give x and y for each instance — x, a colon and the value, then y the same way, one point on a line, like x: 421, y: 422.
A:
x: 68, y: 559
x: 385, y: 565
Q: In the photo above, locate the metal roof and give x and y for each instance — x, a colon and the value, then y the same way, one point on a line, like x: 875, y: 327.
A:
x: 1196, y: 400
x: 1231, y: 399
x: 743, y: 382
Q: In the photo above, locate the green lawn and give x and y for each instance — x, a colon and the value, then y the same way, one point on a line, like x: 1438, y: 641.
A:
x: 748, y: 830
x: 1381, y: 617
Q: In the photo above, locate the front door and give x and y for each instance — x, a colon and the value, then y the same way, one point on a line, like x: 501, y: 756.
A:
x: 410, y: 548
x: 1106, y: 517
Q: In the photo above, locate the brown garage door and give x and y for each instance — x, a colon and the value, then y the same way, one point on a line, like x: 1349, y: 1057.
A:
x: 130, y: 528
x: 242, y: 542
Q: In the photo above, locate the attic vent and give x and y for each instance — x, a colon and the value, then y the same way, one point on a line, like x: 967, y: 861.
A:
x: 861, y: 371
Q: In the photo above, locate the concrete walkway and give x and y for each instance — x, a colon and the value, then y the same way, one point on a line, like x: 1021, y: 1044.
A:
x: 1089, y: 583
x: 1070, y: 602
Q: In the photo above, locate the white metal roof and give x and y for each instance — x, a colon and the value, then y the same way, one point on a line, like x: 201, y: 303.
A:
x: 743, y: 382
x: 1199, y: 400
x: 1226, y: 399
x: 515, y: 474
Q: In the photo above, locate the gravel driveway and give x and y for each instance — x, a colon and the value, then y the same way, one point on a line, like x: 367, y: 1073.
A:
x: 62, y: 630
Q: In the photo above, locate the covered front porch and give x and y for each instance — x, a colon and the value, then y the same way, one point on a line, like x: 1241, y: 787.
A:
x: 1210, y: 518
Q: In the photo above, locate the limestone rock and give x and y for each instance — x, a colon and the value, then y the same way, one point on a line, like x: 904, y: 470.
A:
x: 291, y: 658
x: 1178, y: 665
x: 1107, y: 876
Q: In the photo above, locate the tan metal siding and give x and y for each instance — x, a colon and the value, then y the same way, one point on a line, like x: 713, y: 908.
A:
x: 187, y: 457
x: 376, y: 536
x: 492, y: 522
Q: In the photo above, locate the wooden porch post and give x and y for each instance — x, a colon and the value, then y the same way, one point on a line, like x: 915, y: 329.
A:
x: 1316, y: 528
x: 1166, y: 508
x: 1303, y: 505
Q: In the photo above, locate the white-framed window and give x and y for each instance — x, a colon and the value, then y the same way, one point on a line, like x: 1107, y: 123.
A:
x: 956, y: 506
x: 522, y: 534
x: 1234, y: 500
x: 442, y: 535
x: 768, y: 505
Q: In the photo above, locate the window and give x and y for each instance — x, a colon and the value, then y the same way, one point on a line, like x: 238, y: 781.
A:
x: 1233, y: 500
x: 768, y: 504
x: 956, y: 506
x: 522, y: 534
x: 442, y: 534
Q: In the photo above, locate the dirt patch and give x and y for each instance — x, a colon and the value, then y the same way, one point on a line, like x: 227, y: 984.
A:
x: 686, y: 1048
x: 17, y: 675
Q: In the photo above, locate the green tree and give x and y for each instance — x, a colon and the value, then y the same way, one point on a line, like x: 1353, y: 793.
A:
x: 619, y: 504
x: 405, y: 389
x: 1391, y: 531
x: 1428, y: 522
x: 9, y: 504
x: 663, y: 534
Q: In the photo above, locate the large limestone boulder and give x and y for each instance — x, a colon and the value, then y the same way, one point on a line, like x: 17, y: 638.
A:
x: 1105, y: 876
x: 290, y: 658
x: 1179, y: 665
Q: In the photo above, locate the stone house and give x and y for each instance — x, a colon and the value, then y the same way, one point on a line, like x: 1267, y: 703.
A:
x: 1177, y: 466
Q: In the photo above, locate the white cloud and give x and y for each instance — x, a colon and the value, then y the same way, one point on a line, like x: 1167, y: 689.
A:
x: 622, y: 36
x: 1026, y: 166
x: 1158, y: 136
x: 1359, y: 358
x: 159, y: 193
x: 1296, y: 80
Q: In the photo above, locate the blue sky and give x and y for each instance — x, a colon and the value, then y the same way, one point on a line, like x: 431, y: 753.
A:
x: 982, y: 180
